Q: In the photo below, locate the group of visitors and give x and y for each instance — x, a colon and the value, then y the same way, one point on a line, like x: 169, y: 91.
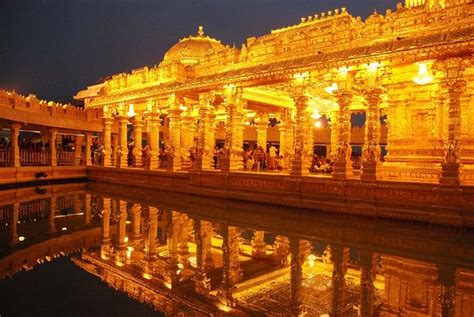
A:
x: 321, y: 164
x: 260, y: 159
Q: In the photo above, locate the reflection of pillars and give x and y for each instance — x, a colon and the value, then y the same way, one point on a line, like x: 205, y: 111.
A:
x: 77, y: 203
x: 136, y: 221
x: 225, y: 289
x: 123, y: 153
x: 88, y: 148
x: 52, y: 213
x: 206, y: 235
x: 122, y: 226
x: 183, y: 249
x: 53, y: 160
x: 115, y: 145
x: 108, y: 141
x: 234, y: 243
x: 14, y: 224
x: 152, y: 232
x: 87, y: 209
x: 202, y: 282
x: 296, y: 277
x: 343, y: 165
x: 259, y: 247
x: 106, y: 222
x: 447, y: 291
x: 371, y: 149
x: 338, y: 257
x: 172, y: 244
x: 366, y: 283
x: 78, y: 149
x: 15, y: 148
x: 137, y: 148
x: 282, y: 250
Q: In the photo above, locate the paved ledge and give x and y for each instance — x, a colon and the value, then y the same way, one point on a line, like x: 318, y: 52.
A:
x: 430, y: 203
x: 25, y: 174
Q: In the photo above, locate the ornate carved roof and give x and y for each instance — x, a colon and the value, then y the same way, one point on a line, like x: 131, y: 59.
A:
x: 192, y: 48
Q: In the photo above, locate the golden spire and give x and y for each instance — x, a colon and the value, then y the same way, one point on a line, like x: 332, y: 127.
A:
x: 201, y: 31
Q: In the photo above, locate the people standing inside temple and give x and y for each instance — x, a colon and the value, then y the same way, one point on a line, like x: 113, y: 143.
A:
x: 146, y: 156
x: 272, y: 154
x: 260, y: 158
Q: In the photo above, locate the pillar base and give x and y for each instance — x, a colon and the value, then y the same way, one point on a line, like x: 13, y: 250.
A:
x: 449, y: 174
x: 342, y: 169
x: 371, y: 171
x: 298, y: 168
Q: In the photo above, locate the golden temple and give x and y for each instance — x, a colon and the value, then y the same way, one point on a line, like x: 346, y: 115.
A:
x: 189, y: 124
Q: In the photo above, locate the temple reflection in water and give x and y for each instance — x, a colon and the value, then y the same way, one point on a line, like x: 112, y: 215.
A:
x: 195, y: 256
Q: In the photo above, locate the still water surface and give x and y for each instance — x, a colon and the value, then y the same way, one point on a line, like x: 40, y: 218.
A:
x: 94, y: 249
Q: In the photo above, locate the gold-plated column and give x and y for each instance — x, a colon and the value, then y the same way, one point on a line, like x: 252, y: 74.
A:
x: 53, y: 159
x: 15, y: 148
x: 88, y: 150
x: 303, y: 138
x: 205, y: 145
x: 296, y: 277
x: 233, y: 141
x: 371, y: 149
x: 78, y: 149
x: 343, y: 165
x: 123, y: 140
x: 107, y: 139
x: 154, y: 139
x: 175, y: 151
x: 137, y: 148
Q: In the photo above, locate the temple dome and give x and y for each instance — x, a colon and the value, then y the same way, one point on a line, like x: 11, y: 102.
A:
x: 192, y: 48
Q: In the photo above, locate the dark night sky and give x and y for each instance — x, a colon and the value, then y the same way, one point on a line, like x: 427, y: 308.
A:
x: 53, y: 48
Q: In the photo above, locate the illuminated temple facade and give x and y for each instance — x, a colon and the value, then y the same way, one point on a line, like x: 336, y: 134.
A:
x: 406, y: 74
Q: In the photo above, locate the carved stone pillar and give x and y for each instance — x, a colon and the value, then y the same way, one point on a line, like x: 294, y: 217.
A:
x: 88, y: 149
x: 343, y: 165
x: 78, y: 149
x: 286, y: 138
x: 303, y: 138
x: 15, y: 148
x: 206, y: 141
x: 281, y: 249
x: 338, y: 257
x: 154, y: 139
x: 447, y: 291
x: 259, y: 247
x: 123, y: 140
x: 52, y: 213
x: 87, y: 209
x: 455, y: 84
x: 137, y: 148
x: 371, y: 150
x: 367, y: 290
x: 175, y: 153
x: 115, y: 146
x: 202, y: 283
x: 53, y: 159
x: 296, y: 277
x: 136, y: 214
x: 152, y: 233
x: 14, y: 224
x: 233, y: 140
x: 108, y: 122
x: 262, y: 127
x: 334, y: 126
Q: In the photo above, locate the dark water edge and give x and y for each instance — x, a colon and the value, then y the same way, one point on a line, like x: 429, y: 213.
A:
x: 59, y: 288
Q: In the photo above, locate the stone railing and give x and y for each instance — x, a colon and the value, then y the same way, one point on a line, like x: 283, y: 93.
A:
x: 35, y: 209
x: 66, y: 158
x: 31, y: 158
x: 4, y: 157
x: 30, y: 109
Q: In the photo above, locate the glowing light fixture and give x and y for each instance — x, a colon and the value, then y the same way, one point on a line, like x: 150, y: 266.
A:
x: 316, y: 115
x: 317, y: 124
x: 131, y: 111
x: 311, y: 259
x: 423, y: 76
x: 125, y: 239
x: 63, y: 228
x: 21, y: 238
x: 331, y: 89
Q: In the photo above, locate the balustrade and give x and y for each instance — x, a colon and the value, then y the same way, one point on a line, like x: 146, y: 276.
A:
x: 35, y: 209
x: 34, y: 158
x: 4, y: 157
x: 66, y: 158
